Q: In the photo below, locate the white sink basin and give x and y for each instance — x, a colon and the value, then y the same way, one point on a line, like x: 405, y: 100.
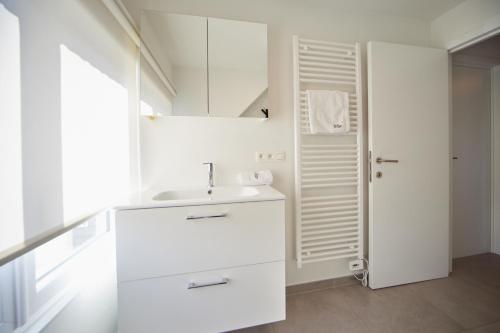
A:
x: 155, y: 198
x: 236, y: 192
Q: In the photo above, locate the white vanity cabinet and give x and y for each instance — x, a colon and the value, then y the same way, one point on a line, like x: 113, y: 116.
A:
x: 200, y: 268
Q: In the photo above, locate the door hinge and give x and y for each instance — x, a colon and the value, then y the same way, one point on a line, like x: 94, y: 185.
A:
x: 370, y: 166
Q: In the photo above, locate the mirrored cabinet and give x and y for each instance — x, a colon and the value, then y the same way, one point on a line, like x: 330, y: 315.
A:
x: 202, y: 66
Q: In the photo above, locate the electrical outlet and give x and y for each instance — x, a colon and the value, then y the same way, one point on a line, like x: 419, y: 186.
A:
x: 259, y: 156
x: 356, y: 265
x: 279, y: 156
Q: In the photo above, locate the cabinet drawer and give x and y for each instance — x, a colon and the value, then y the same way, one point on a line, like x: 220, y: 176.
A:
x: 249, y: 296
x: 166, y: 241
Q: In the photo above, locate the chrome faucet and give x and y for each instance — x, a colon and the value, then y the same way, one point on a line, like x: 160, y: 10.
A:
x: 210, y: 176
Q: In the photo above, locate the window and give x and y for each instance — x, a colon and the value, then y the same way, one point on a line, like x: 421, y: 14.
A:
x: 96, y: 172
x: 7, y: 299
x: 95, y: 137
x: 51, y: 258
x: 54, y: 254
x: 36, y: 286
x: 95, y: 152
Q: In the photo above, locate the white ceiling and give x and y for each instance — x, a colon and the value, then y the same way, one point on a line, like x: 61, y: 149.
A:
x: 419, y: 9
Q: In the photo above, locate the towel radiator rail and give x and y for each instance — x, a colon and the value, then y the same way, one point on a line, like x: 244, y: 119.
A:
x: 328, y: 168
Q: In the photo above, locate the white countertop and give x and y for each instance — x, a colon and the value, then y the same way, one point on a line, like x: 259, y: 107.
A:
x: 144, y: 200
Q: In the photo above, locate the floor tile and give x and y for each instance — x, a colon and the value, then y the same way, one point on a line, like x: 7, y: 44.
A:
x: 467, y: 301
x: 397, y: 309
x: 493, y: 328
x: 319, y: 312
x: 468, y: 304
x: 482, y: 270
x: 256, y: 329
x: 320, y: 285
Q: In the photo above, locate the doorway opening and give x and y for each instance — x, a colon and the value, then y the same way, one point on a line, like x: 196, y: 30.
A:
x: 476, y: 149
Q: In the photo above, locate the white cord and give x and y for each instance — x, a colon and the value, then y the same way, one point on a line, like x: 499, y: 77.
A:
x: 362, y: 275
x: 363, y: 278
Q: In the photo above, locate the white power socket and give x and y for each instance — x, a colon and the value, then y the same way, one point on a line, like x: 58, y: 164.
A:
x: 279, y: 156
x: 356, y: 265
x: 261, y: 156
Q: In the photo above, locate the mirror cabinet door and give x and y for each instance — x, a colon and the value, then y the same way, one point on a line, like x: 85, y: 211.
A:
x: 198, y: 66
x: 174, y: 54
x: 237, y: 68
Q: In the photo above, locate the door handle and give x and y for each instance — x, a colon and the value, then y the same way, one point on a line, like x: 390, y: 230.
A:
x: 205, y: 216
x: 380, y: 160
x: 194, y: 285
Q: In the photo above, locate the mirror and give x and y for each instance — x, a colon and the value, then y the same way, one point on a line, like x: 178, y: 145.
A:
x: 198, y: 66
x: 174, y: 64
x: 237, y: 67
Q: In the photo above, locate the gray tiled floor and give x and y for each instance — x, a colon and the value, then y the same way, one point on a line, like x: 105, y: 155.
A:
x: 467, y: 301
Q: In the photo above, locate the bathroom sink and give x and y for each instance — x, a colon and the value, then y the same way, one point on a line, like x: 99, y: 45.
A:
x: 236, y: 192
x: 181, y: 195
x: 196, y: 196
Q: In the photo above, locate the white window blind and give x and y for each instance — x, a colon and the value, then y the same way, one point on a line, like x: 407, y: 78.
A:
x: 95, y: 137
x: 11, y: 213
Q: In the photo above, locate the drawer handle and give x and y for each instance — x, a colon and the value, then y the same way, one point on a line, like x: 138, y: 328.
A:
x: 194, y: 285
x: 203, y: 216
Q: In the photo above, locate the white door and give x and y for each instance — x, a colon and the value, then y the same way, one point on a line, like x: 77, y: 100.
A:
x: 409, y: 193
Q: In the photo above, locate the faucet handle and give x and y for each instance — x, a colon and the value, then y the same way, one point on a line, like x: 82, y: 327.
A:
x: 210, y: 165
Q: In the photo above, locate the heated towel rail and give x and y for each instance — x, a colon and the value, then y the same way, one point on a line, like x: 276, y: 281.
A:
x: 328, y: 168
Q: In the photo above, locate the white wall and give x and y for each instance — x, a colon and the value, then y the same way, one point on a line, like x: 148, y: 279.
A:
x: 468, y: 20
x: 496, y: 157
x: 472, y: 170
x: 173, y: 148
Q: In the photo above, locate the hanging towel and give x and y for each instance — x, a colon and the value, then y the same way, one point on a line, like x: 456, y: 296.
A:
x: 328, y: 111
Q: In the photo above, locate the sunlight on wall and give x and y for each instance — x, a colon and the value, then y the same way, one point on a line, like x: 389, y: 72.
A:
x: 11, y: 214
x: 95, y: 137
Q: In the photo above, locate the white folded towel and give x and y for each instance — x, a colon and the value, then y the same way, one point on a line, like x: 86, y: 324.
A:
x: 264, y: 177
x: 328, y: 111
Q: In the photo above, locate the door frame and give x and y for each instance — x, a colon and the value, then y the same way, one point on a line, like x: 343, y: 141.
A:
x: 474, y: 39
x: 495, y: 243
x: 478, y: 38
x: 495, y: 132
